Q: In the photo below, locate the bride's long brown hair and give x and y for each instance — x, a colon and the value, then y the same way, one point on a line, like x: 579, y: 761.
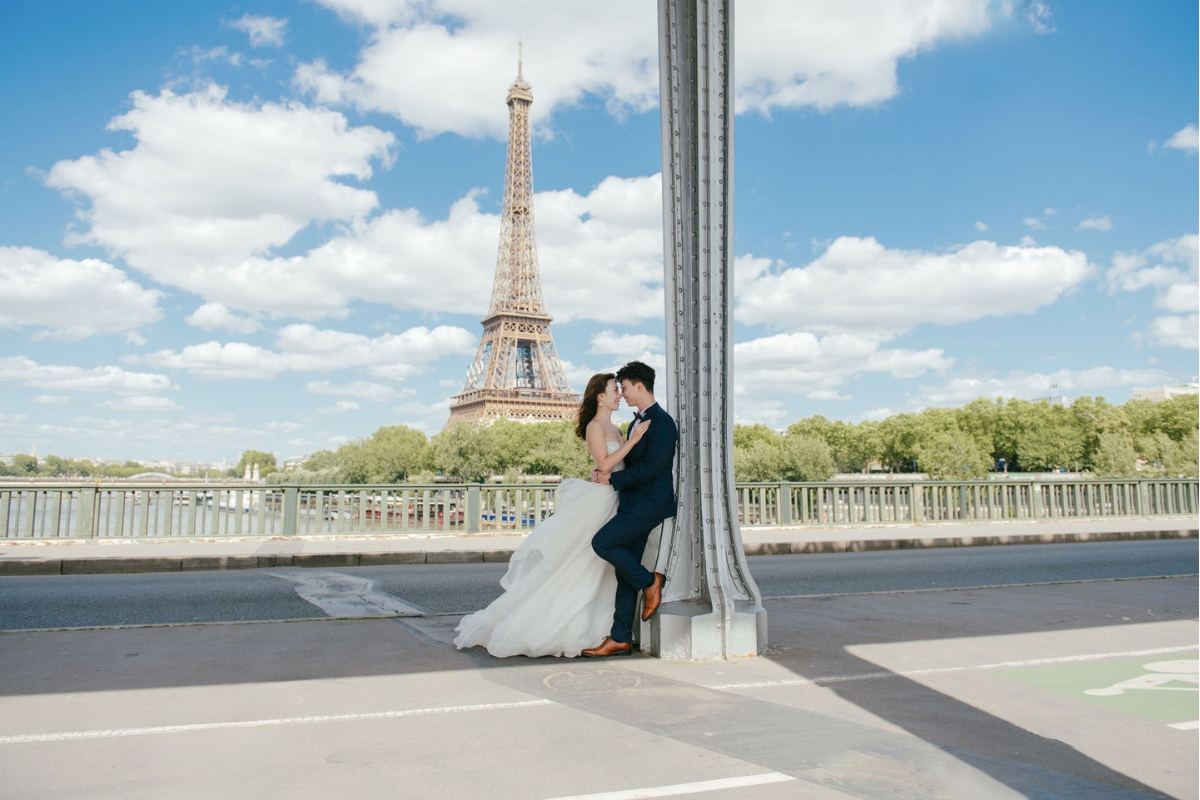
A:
x: 596, y: 386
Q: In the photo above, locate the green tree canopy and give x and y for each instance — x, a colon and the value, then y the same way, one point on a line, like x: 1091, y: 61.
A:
x: 954, y: 455
x: 265, y: 461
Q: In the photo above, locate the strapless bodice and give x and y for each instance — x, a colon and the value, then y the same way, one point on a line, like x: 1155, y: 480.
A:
x: 612, y: 448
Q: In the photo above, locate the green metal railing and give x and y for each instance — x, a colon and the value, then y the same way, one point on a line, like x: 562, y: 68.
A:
x: 37, y: 510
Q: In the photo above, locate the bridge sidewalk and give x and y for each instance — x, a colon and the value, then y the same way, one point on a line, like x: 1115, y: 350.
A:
x: 53, y: 557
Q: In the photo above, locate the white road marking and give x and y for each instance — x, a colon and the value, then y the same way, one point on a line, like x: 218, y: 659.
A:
x: 1185, y: 726
x: 261, y: 723
x: 341, y: 595
x: 874, y: 676
x: 685, y: 788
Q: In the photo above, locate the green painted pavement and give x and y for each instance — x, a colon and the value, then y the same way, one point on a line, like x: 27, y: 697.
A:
x: 1149, y: 687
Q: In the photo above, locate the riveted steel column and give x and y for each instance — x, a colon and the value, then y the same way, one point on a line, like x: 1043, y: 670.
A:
x: 711, y: 606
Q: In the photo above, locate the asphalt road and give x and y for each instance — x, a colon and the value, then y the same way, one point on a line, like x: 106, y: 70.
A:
x: 160, y: 598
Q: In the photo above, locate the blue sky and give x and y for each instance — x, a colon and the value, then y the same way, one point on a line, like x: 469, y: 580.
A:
x: 273, y: 224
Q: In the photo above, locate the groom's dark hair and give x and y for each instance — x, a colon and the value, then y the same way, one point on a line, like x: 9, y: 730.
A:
x: 637, y: 372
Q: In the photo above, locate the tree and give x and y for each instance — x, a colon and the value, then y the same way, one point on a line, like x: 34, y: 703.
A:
x: 1096, y: 417
x: 1053, y: 439
x: 903, y: 435
x: 560, y: 452
x: 854, y: 447
x: 1177, y: 416
x: 265, y: 461
x: 858, y: 448
x: 980, y: 419
x: 24, y: 464
x: 57, y: 466
x: 394, y: 452
x: 757, y: 461
x: 511, y: 442
x: 465, y: 451
x: 747, y: 435
x: 805, y: 458
x: 1115, y: 456
x: 954, y: 455
x: 321, y: 460
x: 1168, y: 458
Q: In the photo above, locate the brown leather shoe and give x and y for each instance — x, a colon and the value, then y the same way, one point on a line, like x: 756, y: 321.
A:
x: 609, y: 647
x: 652, y: 596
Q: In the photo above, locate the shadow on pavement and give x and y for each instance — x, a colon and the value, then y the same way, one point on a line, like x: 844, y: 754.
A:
x: 811, y: 637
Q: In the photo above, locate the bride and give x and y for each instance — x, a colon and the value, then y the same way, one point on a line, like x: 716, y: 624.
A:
x: 558, y: 594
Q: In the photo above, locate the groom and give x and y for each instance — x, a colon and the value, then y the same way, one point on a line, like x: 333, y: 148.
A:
x: 646, y: 497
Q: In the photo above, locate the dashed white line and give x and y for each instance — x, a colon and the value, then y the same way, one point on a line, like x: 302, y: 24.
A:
x: 113, y: 733
x: 685, y: 788
x: 1185, y: 726
x: 874, y: 676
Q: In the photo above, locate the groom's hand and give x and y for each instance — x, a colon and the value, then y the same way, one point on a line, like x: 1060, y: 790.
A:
x: 600, y: 476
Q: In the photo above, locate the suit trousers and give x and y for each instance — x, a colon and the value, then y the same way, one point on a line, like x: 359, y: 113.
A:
x: 621, y: 543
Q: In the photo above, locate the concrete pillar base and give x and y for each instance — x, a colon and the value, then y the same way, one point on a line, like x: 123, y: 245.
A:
x: 689, y: 630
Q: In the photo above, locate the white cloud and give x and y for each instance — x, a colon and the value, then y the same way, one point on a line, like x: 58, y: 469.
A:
x: 1034, y: 223
x: 1172, y: 331
x: 749, y: 410
x: 1028, y: 241
x: 427, y: 417
x: 1186, y: 139
x: 859, y: 286
x: 628, y: 347
x: 284, y: 427
x: 340, y: 407
x: 805, y: 362
x: 263, y: 31
x: 70, y: 299
x: 600, y: 254
x: 981, y: 226
x: 438, y: 65
x: 212, y: 182
x: 304, y: 348
x: 199, y: 55
x: 1050, y: 212
x: 212, y: 316
x: 70, y: 378
x: 364, y: 390
x: 826, y: 394
x: 1031, y: 385
x: 1103, y: 223
x: 51, y: 399
x: 142, y: 403
x: 134, y: 338
x: 1040, y: 17
x: 1171, y: 269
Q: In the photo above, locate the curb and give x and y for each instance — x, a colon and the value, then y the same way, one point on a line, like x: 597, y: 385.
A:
x: 866, y: 545
x: 108, y: 566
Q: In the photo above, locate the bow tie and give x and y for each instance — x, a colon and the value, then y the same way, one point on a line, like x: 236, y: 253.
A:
x: 638, y: 416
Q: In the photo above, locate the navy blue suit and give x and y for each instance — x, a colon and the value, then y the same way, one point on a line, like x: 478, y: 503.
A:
x: 646, y: 497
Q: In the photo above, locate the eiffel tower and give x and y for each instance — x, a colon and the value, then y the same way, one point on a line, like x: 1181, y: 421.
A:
x: 517, y: 373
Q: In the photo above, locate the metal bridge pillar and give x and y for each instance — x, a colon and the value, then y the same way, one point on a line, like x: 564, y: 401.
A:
x: 711, y: 606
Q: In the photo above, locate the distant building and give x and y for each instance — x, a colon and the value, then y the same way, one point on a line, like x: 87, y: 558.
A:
x: 294, y: 463
x: 1166, y: 392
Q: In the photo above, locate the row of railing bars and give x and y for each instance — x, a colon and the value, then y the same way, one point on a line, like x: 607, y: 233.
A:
x: 100, y: 510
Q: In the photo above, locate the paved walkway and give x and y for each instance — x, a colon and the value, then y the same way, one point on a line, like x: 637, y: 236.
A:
x: 52, y: 557
x: 1036, y: 691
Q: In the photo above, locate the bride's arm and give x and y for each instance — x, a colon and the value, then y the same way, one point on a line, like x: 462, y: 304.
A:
x: 598, y: 445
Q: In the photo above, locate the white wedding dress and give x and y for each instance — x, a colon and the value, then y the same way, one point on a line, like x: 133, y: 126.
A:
x: 558, y: 594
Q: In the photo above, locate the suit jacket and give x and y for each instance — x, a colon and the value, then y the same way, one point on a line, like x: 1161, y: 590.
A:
x: 646, y: 487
